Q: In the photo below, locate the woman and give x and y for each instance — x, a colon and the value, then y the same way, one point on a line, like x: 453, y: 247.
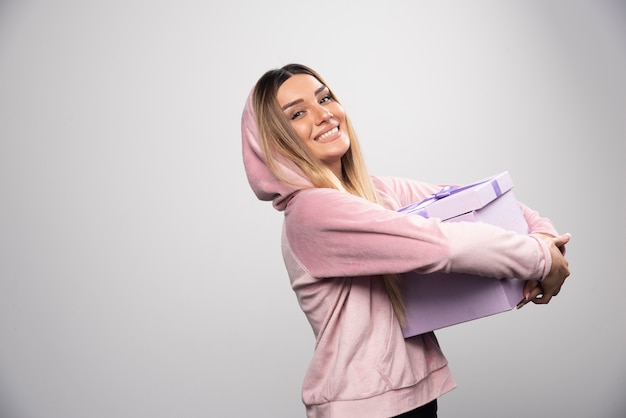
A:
x: 344, y: 246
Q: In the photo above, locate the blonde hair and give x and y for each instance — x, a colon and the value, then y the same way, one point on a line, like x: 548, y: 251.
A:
x: 279, y: 139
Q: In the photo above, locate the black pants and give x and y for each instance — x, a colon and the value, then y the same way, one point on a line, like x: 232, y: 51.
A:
x: 425, y: 411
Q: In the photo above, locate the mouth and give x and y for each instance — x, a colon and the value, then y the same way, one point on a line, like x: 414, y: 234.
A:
x: 328, y: 135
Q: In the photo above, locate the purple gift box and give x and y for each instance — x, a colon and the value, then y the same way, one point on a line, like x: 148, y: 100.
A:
x: 439, y: 300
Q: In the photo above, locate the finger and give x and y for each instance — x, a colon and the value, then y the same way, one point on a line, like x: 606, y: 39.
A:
x: 522, y: 303
x: 537, y: 296
x: 537, y: 292
x: 529, y: 286
x: 545, y: 298
x: 542, y: 300
x: 531, y: 295
x: 561, y: 240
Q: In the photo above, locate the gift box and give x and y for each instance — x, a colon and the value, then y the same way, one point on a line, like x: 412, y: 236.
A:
x: 439, y: 300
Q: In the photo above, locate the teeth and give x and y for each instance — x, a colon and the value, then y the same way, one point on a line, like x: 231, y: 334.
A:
x: 328, y: 134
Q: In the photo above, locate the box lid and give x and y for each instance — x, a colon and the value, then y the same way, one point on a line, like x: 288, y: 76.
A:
x: 454, y: 201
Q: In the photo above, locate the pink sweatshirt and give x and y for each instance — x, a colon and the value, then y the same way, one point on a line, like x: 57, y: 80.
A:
x: 336, y: 246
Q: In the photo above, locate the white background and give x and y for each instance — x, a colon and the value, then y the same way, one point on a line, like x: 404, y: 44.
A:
x: 139, y: 276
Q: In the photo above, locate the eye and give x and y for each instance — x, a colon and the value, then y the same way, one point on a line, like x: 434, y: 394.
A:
x: 325, y: 99
x: 297, y: 114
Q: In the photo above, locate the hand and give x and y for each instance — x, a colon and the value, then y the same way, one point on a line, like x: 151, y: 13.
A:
x: 542, y: 292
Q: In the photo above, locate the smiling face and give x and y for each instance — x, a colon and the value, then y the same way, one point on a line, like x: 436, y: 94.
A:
x: 316, y: 117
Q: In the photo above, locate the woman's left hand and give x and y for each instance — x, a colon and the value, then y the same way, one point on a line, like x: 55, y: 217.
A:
x: 534, y: 289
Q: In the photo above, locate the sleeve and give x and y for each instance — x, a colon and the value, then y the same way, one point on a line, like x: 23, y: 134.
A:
x: 335, y: 234
x: 397, y: 192
x: 400, y: 192
x: 537, y: 223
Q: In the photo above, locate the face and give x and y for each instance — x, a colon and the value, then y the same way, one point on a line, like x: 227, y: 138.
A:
x: 317, y: 118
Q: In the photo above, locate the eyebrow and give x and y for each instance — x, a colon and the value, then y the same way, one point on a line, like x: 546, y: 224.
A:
x: 318, y: 91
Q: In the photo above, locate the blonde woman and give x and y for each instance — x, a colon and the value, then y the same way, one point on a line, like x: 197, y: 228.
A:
x: 344, y: 245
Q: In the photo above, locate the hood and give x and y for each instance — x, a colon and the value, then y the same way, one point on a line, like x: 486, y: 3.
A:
x: 264, y: 183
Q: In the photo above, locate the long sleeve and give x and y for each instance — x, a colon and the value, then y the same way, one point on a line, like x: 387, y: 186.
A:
x: 335, y: 234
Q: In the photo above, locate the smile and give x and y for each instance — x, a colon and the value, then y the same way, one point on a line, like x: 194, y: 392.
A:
x: 327, y: 135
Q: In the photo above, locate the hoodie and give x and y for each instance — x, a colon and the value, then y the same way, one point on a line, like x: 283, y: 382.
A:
x: 336, y: 246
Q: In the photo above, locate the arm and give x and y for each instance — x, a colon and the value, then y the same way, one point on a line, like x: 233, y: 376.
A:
x: 335, y: 234
x: 541, y: 292
x: 407, y: 191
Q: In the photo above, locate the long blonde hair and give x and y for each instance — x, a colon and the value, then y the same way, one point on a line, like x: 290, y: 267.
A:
x: 279, y: 139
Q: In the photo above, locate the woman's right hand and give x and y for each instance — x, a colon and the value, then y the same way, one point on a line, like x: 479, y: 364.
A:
x: 540, y: 292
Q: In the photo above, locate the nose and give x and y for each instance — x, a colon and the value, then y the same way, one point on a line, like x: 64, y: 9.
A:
x: 323, y: 115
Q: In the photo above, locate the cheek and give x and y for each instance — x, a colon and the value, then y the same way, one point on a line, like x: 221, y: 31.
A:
x: 303, y: 131
x: 337, y: 110
x: 303, y: 134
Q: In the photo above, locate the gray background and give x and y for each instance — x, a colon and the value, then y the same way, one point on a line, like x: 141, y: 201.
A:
x: 139, y: 277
